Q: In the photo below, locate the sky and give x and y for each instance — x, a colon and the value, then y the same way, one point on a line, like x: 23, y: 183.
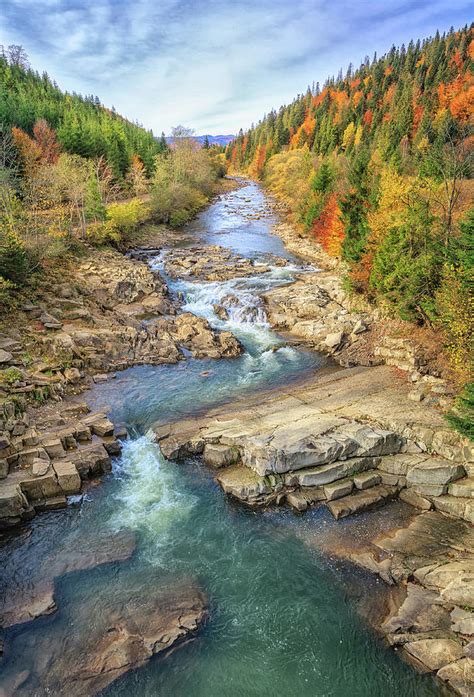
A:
x: 214, y: 66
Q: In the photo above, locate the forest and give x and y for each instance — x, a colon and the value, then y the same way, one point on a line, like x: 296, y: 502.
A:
x: 73, y: 171
x: 377, y: 167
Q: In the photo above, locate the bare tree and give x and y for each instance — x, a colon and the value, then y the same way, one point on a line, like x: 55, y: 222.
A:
x: 18, y: 57
x: 450, y: 164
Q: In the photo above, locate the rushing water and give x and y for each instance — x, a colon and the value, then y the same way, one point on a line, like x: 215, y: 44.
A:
x: 283, y: 615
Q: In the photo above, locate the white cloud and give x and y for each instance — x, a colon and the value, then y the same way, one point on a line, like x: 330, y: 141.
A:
x: 214, y: 66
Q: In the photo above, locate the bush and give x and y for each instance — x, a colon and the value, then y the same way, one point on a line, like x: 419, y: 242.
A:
x: 125, y: 217
x: 176, y: 203
x: 122, y: 221
x: 99, y: 233
x: 7, y: 299
x: 14, y: 261
x: 462, y: 416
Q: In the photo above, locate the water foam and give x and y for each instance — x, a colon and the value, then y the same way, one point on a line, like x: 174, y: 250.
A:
x: 151, y: 498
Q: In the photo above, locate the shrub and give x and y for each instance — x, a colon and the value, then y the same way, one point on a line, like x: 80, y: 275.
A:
x: 176, y: 203
x: 14, y: 262
x: 10, y: 375
x: 99, y: 233
x: 121, y: 222
x: 7, y: 299
x: 125, y: 217
x: 462, y: 416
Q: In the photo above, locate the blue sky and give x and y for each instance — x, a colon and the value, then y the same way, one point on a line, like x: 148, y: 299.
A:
x: 212, y: 65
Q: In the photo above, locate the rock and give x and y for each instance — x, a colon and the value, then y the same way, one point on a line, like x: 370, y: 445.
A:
x: 36, y: 487
x: 5, y: 356
x: 456, y: 506
x: 461, y: 589
x: 26, y: 457
x: 99, y: 424
x: 430, y: 489
x: 220, y: 312
x: 243, y: 483
x: 220, y: 455
x: 14, y: 506
x: 463, y: 488
x: 469, y: 650
x: 462, y: 621
x: 113, y: 446
x: 366, y: 480
x: 297, y: 500
x: 434, y: 471
x: 338, y: 489
x: 326, y: 474
x: 39, y: 467
x: 72, y: 375
x: 361, y: 501
x: 421, y: 611
x: 359, y: 327
x: 132, y: 623
x: 459, y: 675
x: 68, y: 477
x: 334, y: 340
x: 49, y: 321
x: 30, y: 595
x: 433, y: 654
x: 91, y: 460
x: 4, y: 469
x: 101, y: 377
x: 53, y: 447
x: 414, y: 499
x: 454, y: 580
x: 54, y: 503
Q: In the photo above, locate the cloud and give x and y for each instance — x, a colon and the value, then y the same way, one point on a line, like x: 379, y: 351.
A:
x: 210, y: 64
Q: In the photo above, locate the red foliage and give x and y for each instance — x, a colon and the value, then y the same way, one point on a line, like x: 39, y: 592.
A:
x: 328, y: 228
x: 368, y: 117
x: 28, y: 149
x: 46, y: 140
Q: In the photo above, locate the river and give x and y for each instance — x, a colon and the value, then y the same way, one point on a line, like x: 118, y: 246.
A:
x: 285, y: 616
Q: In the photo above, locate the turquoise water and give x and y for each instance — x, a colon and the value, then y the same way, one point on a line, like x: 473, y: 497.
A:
x: 284, y: 616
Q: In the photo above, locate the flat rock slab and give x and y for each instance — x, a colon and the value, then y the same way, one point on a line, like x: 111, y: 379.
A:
x: 29, y: 595
x: 433, y: 654
x: 429, y: 539
x: 421, y: 611
x: 243, y: 483
x: 118, y: 631
x: 460, y: 676
x: 361, y: 501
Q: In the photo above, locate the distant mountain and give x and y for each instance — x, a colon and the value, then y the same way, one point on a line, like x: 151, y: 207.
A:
x: 213, y: 140
x: 216, y: 140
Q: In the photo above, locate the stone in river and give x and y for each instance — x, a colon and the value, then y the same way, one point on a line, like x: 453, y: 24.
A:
x: 114, y: 632
x: 30, y: 594
x: 433, y: 654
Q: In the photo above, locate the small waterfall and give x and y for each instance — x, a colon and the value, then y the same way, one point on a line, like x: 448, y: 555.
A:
x: 151, y: 498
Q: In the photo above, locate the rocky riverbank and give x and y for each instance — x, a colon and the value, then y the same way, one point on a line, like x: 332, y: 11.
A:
x: 351, y: 439
x: 112, y: 313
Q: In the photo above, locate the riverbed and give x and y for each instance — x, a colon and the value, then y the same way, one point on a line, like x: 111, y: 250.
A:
x: 285, y: 616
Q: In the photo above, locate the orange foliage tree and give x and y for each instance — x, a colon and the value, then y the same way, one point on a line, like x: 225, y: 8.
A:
x: 328, y: 227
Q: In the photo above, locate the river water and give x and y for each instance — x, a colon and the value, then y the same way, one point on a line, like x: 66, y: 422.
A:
x: 285, y: 616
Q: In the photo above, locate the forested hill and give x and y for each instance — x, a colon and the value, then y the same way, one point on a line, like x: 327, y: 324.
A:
x: 397, y: 104
x: 377, y: 167
x: 82, y: 124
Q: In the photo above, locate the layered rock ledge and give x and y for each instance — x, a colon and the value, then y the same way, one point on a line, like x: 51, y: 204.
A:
x: 116, y: 632
x: 352, y: 440
x: 356, y: 427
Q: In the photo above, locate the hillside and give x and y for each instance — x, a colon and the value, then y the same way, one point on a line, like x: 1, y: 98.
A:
x: 83, y: 125
x: 377, y: 168
x: 74, y: 172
